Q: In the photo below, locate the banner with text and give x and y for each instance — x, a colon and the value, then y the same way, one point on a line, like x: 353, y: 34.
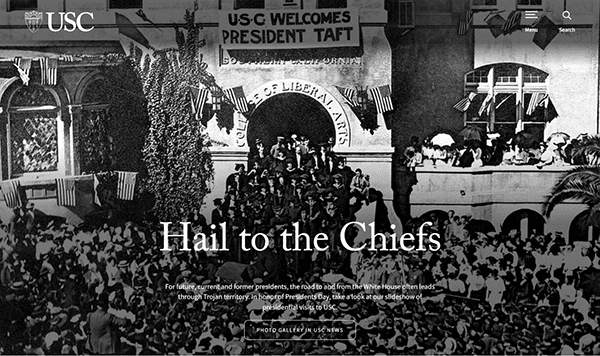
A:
x: 285, y: 29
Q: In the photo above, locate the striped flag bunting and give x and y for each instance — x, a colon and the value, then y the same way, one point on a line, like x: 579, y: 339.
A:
x: 24, y: 67
x: 466, y: 23
x: 10, y: 191
x: 198, y: 99
x: 464, y: 103
x: 128, y: 29
x: 534, y: 102
x: 49, y: 71
x: 503, y: 101
x: 52, y: 71
x: 383, y: 98
x: 545, y: 101
x: 43, y: 70
x: 236, y: 95
x: 511, y: 24
x: 486, y: 104
x: 348, y: 94
x: 65, y: 191
x: 126, y: 185
x: 495, y: 22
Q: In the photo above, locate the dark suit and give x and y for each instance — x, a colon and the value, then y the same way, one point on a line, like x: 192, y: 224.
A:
x: 103, y: 337
x: 217, y: 216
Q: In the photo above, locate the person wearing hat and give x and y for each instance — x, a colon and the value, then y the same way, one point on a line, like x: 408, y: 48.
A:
x: 271, y: 264
x: 104, y: 333
x: 217, y: 213
x: 236, y: 181
x: 29, y: 217
x: 263, y: 158
x: 346, y: 172
x: 278, y: 147
x: 258, y: 144
x: 311, y: 159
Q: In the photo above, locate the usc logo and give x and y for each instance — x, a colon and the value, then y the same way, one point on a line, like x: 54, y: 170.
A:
x: 69, y: 21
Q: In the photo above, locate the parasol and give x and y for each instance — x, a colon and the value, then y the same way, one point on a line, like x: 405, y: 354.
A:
x: 442, y: 140
x: 522, y: 139
x: 472, y: 133
x: 558, y: 138
x: 590, y: 281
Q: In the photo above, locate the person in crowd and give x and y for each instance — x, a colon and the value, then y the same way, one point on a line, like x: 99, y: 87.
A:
x: 104, y: 334
x: 499, y: 293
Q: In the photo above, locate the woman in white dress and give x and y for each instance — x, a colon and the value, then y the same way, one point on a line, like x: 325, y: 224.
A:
x: 495, y: 289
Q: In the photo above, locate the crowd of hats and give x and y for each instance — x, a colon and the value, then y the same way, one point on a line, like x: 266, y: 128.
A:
x: 46, y: 298
x: 292, y: 181
x: 52, y: 275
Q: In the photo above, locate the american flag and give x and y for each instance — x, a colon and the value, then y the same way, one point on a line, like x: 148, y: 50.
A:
x: 383, y: 98
x: 43, y: 70
x: 49, y: 70
x: 23, y: 66
x: 511, y: 24
x: 10, y: 191
x: 236, y: 95
x: 65, y: 191
x: 464, y: 103
x: 486, y: 105
x: 198, y: 98
x: 466, y: 23
x: 537, y: 100
x: 126, y: 185
x: 348, y: 94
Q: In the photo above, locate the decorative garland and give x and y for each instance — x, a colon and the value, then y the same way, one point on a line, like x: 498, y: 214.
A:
x: 179, y: 163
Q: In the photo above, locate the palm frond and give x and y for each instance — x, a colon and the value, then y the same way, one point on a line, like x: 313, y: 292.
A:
x: 587, y: 155
x: 581, y: 183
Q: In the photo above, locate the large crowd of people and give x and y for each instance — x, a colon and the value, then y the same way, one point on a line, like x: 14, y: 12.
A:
x: 103, y: 289
x: 494, y: 150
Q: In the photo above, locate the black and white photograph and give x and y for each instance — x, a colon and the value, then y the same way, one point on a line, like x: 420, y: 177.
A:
x: 299, y: 177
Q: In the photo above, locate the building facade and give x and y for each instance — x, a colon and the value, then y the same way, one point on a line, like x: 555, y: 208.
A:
x: 548, y: 53
x: 291, y: 58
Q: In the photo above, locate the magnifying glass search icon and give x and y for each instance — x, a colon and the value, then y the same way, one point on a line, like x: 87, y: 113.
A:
x: 567, y: 15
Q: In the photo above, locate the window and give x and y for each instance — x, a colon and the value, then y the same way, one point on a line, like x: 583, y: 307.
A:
x: 483, y: 3
x: 249, y: 4
x: 22, y: 5
x: 331, y: 4
x: 34, y: 132
x: 401, y: 13
x: 514, y: 100
x: 527, y: 4
x: 125, y: 4
x: 406, y: 14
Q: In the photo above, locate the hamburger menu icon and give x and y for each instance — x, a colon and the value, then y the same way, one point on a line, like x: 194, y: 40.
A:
x: 33, y: 20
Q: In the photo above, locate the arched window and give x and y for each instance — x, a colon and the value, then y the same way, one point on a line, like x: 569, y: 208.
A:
x: 34, y: 133
x: 525, y: 221
x: 508, y: 98
x: 581, y: 230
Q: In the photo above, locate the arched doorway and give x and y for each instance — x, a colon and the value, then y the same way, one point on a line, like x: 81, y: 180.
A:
x: 581, y: 230
x: 525, y: 221
x: 287, y: 114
